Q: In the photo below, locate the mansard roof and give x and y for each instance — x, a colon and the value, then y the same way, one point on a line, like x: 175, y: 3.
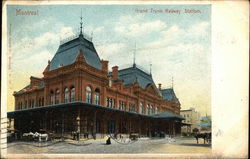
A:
x: 134, y: 74
x: 67, y: 53
x: 168, y: 94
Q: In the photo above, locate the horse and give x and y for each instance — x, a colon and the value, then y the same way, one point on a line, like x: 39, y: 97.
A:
x: 204, y: 136
x: 41, y: 136
x: 28, y: 136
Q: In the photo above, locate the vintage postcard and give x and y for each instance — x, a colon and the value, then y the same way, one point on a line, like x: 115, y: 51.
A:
x: 124, y: 79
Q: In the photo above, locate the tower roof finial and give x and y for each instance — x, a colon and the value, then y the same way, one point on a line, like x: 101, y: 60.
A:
x: 81, y: 24
x: 134, y: 56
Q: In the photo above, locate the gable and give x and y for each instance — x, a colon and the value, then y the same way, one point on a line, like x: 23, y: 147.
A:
x: 151, y: 89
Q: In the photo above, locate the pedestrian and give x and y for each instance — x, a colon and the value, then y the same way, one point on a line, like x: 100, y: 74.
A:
x: 108, y: 141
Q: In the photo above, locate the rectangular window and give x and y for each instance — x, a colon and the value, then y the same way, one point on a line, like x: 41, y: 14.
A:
x: 141, y: 108
x: 132, y: 107
x: 110, y: 102
x: 113, y: 103
x: 122, y: 105
x: 107, y: 102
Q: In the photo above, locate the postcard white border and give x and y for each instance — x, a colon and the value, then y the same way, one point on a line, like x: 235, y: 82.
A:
x: 230, y: 76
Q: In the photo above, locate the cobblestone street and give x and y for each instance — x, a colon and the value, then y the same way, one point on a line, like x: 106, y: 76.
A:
x: 178, y: 145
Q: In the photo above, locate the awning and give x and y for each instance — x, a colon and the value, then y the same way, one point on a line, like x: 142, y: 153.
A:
x: 167, y: 115
x: 185, y: 124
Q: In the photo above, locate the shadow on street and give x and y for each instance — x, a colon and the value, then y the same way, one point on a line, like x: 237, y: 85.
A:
x: 200, y: 145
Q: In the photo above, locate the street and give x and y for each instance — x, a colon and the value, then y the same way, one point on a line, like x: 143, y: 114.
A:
x: 143, y: 145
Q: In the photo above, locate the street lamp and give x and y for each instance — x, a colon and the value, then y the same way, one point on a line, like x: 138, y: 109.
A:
x: 78, y: 127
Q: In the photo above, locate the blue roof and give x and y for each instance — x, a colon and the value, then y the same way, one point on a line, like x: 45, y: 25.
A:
x: 168, y: 94
x: 134, y: 74
x: 67, y: 53
x: 167, y: 115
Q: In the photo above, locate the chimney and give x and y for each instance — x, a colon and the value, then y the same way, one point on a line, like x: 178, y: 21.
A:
x: 104, y: 65
x: 115, y: 72
x: 47, y: 68
x: 159, y: 86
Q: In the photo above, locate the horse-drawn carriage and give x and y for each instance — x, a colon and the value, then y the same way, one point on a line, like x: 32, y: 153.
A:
x: 41, y: 135
x: 205, y: 135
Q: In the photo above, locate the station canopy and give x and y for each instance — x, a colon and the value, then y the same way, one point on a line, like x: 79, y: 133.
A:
x: 78, y: 104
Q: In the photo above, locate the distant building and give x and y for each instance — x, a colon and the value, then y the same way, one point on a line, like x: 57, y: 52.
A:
x: 205, y: 123
x: 192, y: 118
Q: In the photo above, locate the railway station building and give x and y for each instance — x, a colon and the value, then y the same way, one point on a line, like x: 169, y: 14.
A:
x: 78, y: 93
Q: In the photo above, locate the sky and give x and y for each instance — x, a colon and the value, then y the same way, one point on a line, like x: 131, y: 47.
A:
x: 177, y: 45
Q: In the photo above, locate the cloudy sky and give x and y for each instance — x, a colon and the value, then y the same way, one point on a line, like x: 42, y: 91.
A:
x: 177, y: 45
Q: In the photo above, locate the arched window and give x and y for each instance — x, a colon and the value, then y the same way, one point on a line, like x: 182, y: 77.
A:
x: 88, y: 94
x: 156, y: 110
x: 51, y: 101
x: 152, y: 109
x: 66, y: 95
x: 140, y: 109
x: 57, y: 96
x: 72, y: 94
x: 97, y: 96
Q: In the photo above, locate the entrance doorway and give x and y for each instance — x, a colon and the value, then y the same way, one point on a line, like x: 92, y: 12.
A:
x: 111, y: 126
